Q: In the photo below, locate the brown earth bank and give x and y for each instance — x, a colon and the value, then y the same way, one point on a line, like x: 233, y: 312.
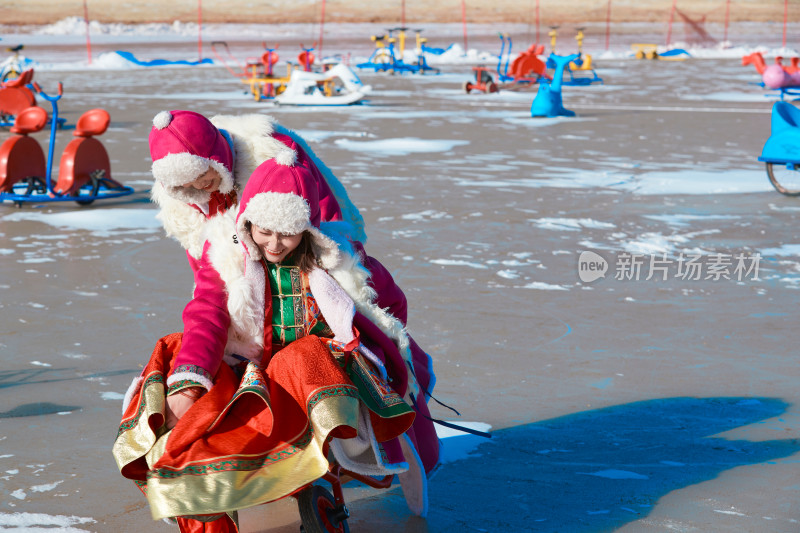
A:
x: 477, y: 11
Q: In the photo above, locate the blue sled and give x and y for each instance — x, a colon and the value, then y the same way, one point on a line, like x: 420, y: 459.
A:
x: 675, y: 52
x: 161, y: 62
x: 548, y: 101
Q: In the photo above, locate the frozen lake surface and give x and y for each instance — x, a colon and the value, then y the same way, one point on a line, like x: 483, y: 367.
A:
x: 622, y: 403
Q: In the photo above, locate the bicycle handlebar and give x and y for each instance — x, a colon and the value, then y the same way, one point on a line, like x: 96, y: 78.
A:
x: 36, y: 87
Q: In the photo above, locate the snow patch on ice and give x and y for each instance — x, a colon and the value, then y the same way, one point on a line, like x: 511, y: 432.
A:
x: 696, y: 182
x: 657, y: 243
x: 43, y: 522
x: 33, y: 260
x: 457, y: 262
x: 75, y: 355
x: 787, y: 250
x: 684, y: 220
x: 109, y: 395
x: 539, y: 285
x: 734, y: 513
x: 47, y: 487
x: 99, y: 221
x: 570, y: 224
x: 681, y: 182
x: 399, y: 146
x: 429, y: 214
x: 321, y: 135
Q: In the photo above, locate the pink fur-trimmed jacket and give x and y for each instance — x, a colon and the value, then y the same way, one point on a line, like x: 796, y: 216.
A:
x: 359, y: 292
x: 218, y: 321
x: 256, y: 138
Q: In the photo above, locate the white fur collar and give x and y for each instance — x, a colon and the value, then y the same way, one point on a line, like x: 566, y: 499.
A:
x: 253, y: 143
x: 181, y: 221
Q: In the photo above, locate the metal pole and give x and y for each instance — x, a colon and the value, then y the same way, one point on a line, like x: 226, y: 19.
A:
x: 199, y: 30
x: 785, y: 16
x: 671, y: 15
x: 608, y: 23
x: 86, y: 20
x: 727, y: 12
x: 321, y: 28
x: 464, y: 22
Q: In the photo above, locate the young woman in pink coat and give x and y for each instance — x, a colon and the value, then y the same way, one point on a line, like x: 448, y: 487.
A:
x: 220, y: 326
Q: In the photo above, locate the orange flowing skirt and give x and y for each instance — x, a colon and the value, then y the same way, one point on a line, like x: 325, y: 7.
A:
x: 250, y: 439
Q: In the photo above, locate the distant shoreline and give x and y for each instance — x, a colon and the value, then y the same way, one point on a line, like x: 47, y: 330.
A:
x: 551, y: 12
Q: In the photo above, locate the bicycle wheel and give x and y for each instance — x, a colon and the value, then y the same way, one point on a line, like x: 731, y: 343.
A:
x: 10, y: 75
x: 785, y: 178
x: 319, y: 512
x: 382, y: 57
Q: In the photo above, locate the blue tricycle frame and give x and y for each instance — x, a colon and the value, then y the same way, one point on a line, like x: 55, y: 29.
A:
x: 36, y: 190
x: 395, y: 64
x: 577, y: 80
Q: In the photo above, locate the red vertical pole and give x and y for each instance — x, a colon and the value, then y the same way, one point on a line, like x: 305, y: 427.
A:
x: 608, y: 23
x: 321, y: 27
x: 669, y: 26
x: 727, y: 12
x: 464, y: 22
x: 785, y: 16
x: 199, y: 30
x: 86, y: 20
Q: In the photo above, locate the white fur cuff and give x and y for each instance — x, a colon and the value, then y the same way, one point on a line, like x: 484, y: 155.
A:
x: 180, y: 376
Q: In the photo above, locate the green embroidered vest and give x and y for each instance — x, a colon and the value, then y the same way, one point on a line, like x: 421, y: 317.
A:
x: 294, y: 311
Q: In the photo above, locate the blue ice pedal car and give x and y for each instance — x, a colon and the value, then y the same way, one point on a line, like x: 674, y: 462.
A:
x: 781, y: 152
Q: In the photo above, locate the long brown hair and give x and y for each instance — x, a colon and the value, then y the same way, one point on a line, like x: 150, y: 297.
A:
x: 304, y: 256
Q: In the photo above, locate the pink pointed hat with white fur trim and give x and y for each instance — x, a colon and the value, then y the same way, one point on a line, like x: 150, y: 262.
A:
x: 183, y: 146
x: 285, y: 199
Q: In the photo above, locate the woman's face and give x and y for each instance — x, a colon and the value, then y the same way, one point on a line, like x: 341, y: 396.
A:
x: 275, y: 246
x: 209, y: 182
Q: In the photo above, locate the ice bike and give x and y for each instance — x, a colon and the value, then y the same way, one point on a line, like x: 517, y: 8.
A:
x: 15, y: 64
x: 781, y: 152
